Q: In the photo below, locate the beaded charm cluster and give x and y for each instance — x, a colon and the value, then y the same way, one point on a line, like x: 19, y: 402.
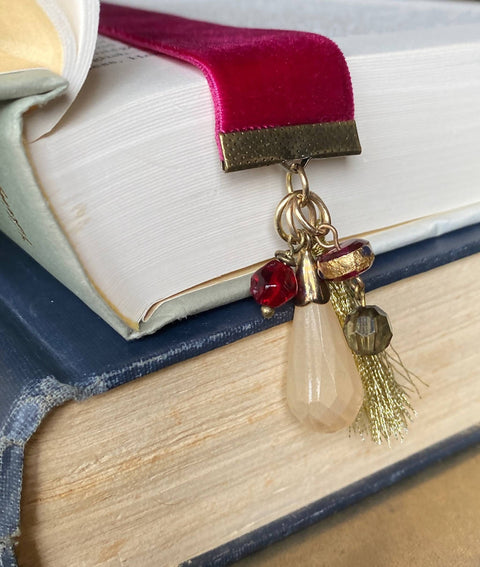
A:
x: 330, y: 385
x: 303, y: 272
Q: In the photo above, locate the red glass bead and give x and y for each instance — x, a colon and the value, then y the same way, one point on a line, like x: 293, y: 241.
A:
x: 353, y: 258
x: 274, y: 284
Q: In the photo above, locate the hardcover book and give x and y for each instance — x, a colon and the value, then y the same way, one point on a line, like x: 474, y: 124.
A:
x: 201, y: 461
x: 133, y: 162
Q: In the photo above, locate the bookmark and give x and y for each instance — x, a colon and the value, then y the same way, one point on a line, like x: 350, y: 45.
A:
x: 285, y: 97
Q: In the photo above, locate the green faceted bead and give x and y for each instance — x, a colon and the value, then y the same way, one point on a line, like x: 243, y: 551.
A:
x: 367, y: 330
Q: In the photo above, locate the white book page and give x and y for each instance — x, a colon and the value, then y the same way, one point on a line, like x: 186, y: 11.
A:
x: 362, y: 26
x: 76, y: 22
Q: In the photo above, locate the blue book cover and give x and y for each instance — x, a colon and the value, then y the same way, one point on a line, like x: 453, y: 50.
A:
x: 54, y: 349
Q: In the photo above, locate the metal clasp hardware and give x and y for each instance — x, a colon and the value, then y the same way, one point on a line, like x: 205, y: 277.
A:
x: 302, y: 218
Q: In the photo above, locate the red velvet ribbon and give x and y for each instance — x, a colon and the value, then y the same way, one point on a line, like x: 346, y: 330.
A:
x: 258, y: 78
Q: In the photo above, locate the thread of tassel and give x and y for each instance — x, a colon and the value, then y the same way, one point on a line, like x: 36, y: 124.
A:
x: 386, y: 410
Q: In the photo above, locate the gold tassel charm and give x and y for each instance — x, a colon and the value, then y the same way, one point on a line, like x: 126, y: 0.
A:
x: 340, y: 373
x: 386, y: 410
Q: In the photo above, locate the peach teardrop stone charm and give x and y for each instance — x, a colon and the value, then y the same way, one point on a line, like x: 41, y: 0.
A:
x: 324, y: 389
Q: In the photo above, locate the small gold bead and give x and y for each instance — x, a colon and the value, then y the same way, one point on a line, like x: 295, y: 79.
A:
x: 267, y: 312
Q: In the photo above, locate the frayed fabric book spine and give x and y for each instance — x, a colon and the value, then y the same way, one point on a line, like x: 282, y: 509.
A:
x: 47, y: 361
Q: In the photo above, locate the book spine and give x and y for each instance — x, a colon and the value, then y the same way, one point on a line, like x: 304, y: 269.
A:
x: 25, y: 214
x: 29, y: 391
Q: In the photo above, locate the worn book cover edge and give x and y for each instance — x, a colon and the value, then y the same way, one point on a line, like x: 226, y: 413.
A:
x: 304, y: 517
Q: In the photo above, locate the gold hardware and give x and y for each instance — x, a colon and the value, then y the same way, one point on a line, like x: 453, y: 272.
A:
x: 293, y: 164
x: 301, y: 217
x: 358, y: 288
x: 287, y: 257
x: 265, y: 146
x: 311, y: 289
x: 267, y: 312
x: 300, y: 171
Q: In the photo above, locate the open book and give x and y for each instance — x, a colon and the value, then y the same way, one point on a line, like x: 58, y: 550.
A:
x: 123, y: 197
